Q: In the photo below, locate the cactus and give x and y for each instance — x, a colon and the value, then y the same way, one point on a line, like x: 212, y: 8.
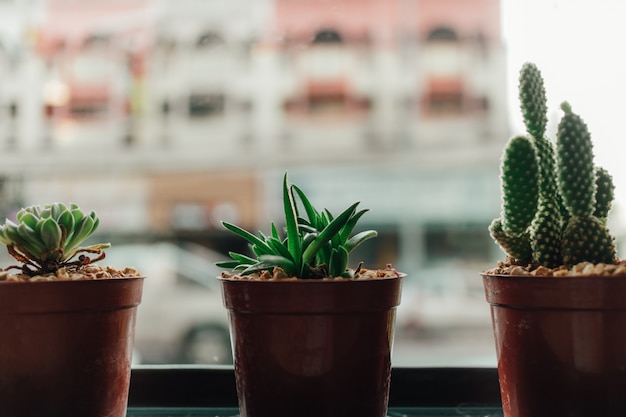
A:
x: 569, y: 208
x: 604, y: 194
x: 585, y: 237
x: 520, y: 174
x: 532, y: 95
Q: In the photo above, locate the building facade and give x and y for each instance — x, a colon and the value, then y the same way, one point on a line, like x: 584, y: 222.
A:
x: 166, y: 117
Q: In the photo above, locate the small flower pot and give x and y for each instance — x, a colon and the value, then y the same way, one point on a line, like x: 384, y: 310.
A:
x: 66, y: 347
x: 560, y: 343
x: 312, y: 348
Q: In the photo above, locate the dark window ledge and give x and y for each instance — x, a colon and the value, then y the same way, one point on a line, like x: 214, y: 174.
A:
x: 214, y: 386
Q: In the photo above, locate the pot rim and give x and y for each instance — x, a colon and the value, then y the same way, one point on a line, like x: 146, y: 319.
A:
x: 552, y: 277
x: 306, y: 281
x: 65, y: 296
x: 311, y: 296
x: 49, y: 282
x: 576, y: 292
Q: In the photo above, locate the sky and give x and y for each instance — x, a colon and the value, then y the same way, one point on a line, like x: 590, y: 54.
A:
x: 580, y: 48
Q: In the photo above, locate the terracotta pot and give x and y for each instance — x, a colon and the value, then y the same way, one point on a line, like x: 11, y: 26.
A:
x: 312, y: 348
x: 66, y: 347
x: 561, y: 344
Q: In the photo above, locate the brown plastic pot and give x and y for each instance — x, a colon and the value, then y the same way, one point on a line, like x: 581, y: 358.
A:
x: 560, y: 343
x: 312, y: 348
x: 66, y: 347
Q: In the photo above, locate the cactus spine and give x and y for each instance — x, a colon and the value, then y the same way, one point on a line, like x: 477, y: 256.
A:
x: 562, y: 218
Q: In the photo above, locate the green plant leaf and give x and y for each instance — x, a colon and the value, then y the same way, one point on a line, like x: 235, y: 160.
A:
x: 3, y: 237
x: 96, y: 221
x: 307, y: 228
x: 46, y: 212
x: 253, y: 239
x: 349, y: 227
x: 34, y: 210
x: 311, y: 248
x: 249, y: 269
x: 26, y: 233
x: 327, y: 234
x: 275, y: 234
x: 324, y: 255
x: 294, y: 243
x: 96, y: 247
x: 77, y: 214
x: 339, y: 261
x: 31, y: 250
x: 311, y: 212
x: 279, y: 248
x: 241, y: 258
x: 27, y: 218
x: 66, y: 222
x: 82, y: 231
x: 287, y: 265
x: 227, y: 264
x: 356, y: 240
x: 308, y: 239
x: 55, y: 210
x: 50, y: 233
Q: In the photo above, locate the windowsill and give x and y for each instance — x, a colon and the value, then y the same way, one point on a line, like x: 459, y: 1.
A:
x: 202, y: 387
x: 392, y: 412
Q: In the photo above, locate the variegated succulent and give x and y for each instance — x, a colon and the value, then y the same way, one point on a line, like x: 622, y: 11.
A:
x: 47, y: 238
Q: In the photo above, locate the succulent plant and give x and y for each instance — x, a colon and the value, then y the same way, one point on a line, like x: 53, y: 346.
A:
x: 47, y: 238
x: 555, y: 201
x: 317, y: 246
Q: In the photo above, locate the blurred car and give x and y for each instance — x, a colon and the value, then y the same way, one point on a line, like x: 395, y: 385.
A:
x: 181, y: 318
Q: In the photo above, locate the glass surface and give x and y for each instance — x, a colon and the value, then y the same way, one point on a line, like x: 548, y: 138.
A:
x: 394, y: 412
x: 168, y: 116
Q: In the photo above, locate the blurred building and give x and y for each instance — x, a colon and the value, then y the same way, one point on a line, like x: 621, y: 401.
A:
x: 168, y: 116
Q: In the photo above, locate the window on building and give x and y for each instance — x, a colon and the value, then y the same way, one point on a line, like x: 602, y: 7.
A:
x: 442, y: 33
x: 209, y: 104
x: 209, y: 40
x: 327, y: 36
x: 444, y: 96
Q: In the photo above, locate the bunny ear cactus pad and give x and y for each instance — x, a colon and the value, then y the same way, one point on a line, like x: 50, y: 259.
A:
x: 545, y: 230
x: 576, y: 173
x: 48, y: 238
x: 585, y: 238
x: 605, y: 193
x: 569, y: 211
x: 532, y: 96
x: 516, y: 246
x: 546, y: 234
x: 519, y: 175
x: 533, y: 104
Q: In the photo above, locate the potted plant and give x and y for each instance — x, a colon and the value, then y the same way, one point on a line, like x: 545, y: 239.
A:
x: 66, y: 324
x: 558, y: 302
x: 311, y: 337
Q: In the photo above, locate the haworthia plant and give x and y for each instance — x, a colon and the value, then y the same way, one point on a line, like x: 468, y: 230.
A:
x: 317, y: 246
x: 555, y: 201
x: 47, y: 238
